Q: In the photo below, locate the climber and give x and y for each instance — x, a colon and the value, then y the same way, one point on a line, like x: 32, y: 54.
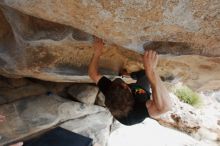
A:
x: 132, y: 103
x: 2, y: 118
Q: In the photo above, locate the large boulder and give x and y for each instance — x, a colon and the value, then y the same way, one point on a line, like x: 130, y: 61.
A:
x: 33, y: 115
x: 53, y: 40
x: 194, y: 71
x: 9, y: 95
x: 134, y: 23
x: 84, y: 93
x: 15, y: 89
x: 201, y: 123
x: 34, y: 47
x: 95, y: 126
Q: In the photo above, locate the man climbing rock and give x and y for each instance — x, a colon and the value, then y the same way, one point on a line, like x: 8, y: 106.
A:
x: 132, y: 103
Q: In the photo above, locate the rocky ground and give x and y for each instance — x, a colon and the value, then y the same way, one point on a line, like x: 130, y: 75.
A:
x: 32, y: 106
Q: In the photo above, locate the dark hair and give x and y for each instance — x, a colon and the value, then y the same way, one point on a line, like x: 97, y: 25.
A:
x: 119, y: 100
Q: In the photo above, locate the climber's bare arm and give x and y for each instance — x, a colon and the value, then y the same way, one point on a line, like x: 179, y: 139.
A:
x: 161, y: 102
x: 93, y: 66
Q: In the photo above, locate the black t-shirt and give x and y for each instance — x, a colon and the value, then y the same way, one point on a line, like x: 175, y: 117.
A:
x: 139, y: 111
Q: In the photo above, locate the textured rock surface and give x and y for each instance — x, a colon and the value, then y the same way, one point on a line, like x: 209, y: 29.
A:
x: 194, y: 71
x: 32, y: 115
x: 96, y: 126
x: 53, y: 40
x: 15, y: 89
x: 84, y: 93
x: 201, y: 123
x: 133, y: 23
x: 50, y: 51
x: 35, y: 114
x: 100, y: 100
x: 9, y: 95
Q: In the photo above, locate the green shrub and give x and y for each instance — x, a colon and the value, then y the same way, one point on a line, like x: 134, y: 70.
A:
x: 186, y: 95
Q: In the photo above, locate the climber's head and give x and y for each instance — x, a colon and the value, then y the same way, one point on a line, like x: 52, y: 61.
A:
x: 119, y: 99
